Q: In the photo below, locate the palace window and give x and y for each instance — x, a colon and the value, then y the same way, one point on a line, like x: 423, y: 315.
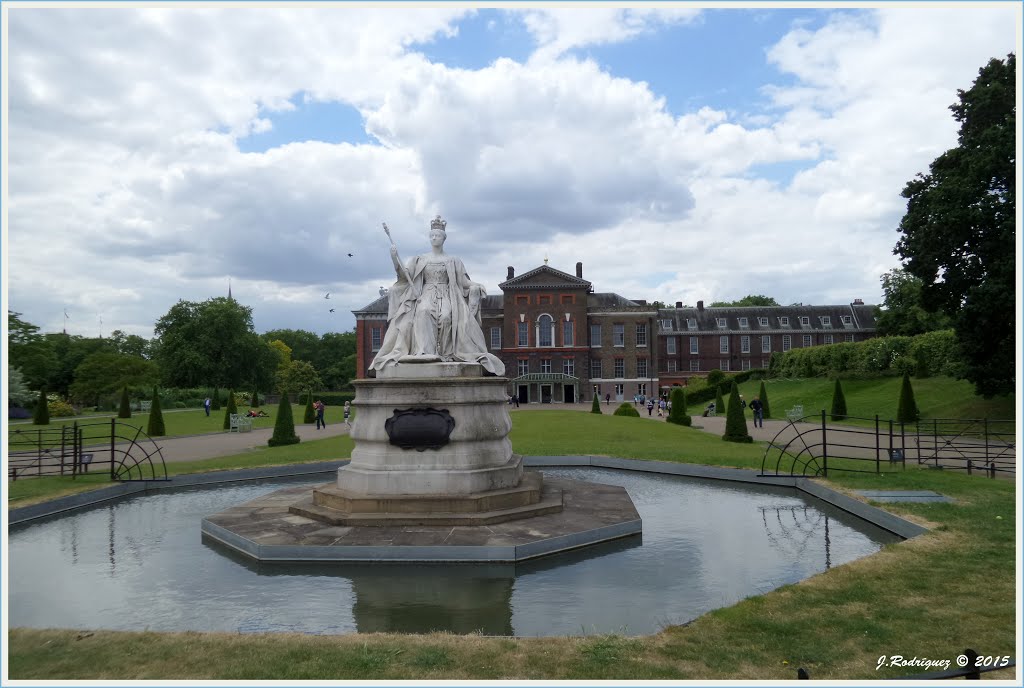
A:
x: 641, y: 367
x: 744, y: 322
x: 595, y: 369
x: 545, y: 331
x: 744, y: 344
x: 847, y: 320
x: 620, y: 389
x: 374, y: 338
x: 826, y: 321
x: 569, y: 366
x: 524, y: 334
x: 671, y: 365
x: 723, y: 344
x: 522, y: 299
x: 666, y: 325
x: 763, y: 322
x: 620, y: 367
x: 545, y: 365
x: 723, y: 365
x: 787, y: 342
x: 567, y: 333
x: 670, y: 345
x: 766, y: 343
x: 618, y: 335
x: 745, y: 364
x: 784, y: 321
x: 721, y: 323
x: 691, y: 323
x: 641, y: 335
x: 695, y: 365
x: 595, y: 335
x: 805, y: 321
x: 807, y: 340
x: 848, y: 338
x: 694, y: 345
x: 522, y: 366
x: 495, y: 337
x: 567, y: 298
x: 827, y: 339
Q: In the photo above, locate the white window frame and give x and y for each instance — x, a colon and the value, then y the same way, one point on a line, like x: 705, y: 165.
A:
x: 784, y: 321
x: 763, y: 322
x: 545, y: 327
x: 522, y: 334
x: 691, y: 323
x: 495, y: 337
x: 787, y: 342
x: 744, y: 322
x: 569, y: 366
x: 618, y: 334
x: 641, y: 334
x: 745, y: 364
x: 694, y: 365
x: 723, y: 344
x: 619, y: 368
x: 723, y: 365
x: 670, y: 346
x: 807, y: 341
x: 376, y: 337
x: 805, y: 320
x: 568, y: 333
x: 745, y: 344
x: 523, y: 367
x: 641, y: 367
x: 827, y: 339
x: 847, y: 320
x: 694, y: 345
x: 848, y: 338
x: 766, y: 343
x: 599, y: 365
x: 595, y: 328
x: 826, y: 320
x: 545, y: 365
x: 671, y: 365
x: 722, y: 323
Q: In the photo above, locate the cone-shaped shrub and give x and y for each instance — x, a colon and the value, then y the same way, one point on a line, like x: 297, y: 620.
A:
x: 284, y: 426
x: 719, y: 401
x: 626, y: 409
x: 838, y: 402
x: 678, y: 414
x: 310, y: 415
x: 596, y: 406
x: 907, y: 411
x: 215, y: 400
x: 766, y: 411
x: 41, y: 413
x: 156, y: 418
x: 126, y: 406
x: 735, y: 422
x: 255, y: 403
x: 232, y: 407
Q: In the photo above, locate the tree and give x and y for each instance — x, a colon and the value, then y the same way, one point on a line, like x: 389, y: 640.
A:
x: 215, y: 400
x: 255, y: 401
x: 310, y: 415
x: 155, y: 428
x: 903, y: 312
x: 126, y: 406
x: 297, y: 375
x: 284, y: 425
x: 626, y: 409
x: 838, y: 402
x: 678, y: 414
x: 763, y: 395
x: 29, y: 351
x: 959, y: 230
x: 749, y: 300
x: 735, y: 422
x: 719, y: 401
x: 18, y: 393
x: 907, y: 411
x: 41, y: 413
x: 208, y: 342
x: 103, y: 372
x: 596, y: 406
x: 130, y: 344
x: 715, y: 377
x: 231, y: 409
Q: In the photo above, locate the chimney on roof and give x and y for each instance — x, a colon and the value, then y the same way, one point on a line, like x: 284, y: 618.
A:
x: 511, y: 272
x: 679, y: 304
x: 579, y: 270
x: 858, y: 302
x: 700, y: 305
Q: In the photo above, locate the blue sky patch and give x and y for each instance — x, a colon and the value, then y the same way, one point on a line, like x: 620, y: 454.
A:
x: 483, y: 37
x: 330, y: 122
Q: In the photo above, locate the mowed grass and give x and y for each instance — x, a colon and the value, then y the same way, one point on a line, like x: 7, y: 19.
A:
x: 937, y: 397
x: 932, y: 596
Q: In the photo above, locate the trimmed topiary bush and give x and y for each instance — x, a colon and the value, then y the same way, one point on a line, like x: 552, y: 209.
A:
x: 155, y: 428
x: 715, y: 378
x: 310, y: 414
x: 678, y: 414
x: 735, y: 422
x: 41, y: 413
x: 255, y: 401
x: 215, y: 400
x: 838, y: 402
x: 284, y: 426
x: 766, y: 411
x: 719, y: 401
x: 126, y: 405
x: 232, y: 407
x: 907, y: 411
x: 626, y: 409
x: 596, y: 406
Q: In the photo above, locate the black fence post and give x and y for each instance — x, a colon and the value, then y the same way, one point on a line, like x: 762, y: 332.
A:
x: 970, y: 465
x: 972, y: 663
x: 935, y: 434
x: 113, y: 426
x: 878, y: 449
x: 824, y: 447
x: 903, y: 446
x: 63, y: 446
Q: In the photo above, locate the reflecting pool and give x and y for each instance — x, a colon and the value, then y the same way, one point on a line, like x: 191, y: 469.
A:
x: 142, y: 563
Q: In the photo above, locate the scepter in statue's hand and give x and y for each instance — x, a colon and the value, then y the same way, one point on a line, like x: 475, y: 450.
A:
x: 402, y: 272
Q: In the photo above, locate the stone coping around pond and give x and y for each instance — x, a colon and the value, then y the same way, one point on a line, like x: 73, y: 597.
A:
x: 883, y: 519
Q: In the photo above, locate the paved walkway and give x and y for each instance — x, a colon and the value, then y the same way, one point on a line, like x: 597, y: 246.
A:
x: 208, y: 446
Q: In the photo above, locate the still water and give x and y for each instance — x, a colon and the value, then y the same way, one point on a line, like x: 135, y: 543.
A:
x: 142, y: 564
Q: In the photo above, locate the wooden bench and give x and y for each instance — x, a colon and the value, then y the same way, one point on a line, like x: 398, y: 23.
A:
x: 239, y: 423
x: 795, y: 413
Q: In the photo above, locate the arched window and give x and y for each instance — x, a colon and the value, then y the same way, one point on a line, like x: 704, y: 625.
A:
x: 545, y: 331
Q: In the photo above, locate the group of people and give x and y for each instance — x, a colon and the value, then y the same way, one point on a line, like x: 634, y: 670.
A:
x: 318, y: 408
x: 755, y: 406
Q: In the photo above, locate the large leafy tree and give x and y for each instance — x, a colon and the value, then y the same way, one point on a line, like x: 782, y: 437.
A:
x: 903, y: 312
x: 70, y: 351
x: 202, y: 343
x: 29, y: 351
x: 130, y: 344
x: 297, y: 376
x: 959, y: 229
x: 105, y: 372
x: 748, y: 300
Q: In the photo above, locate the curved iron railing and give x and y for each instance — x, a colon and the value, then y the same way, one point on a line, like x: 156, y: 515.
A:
x: 125, y: 450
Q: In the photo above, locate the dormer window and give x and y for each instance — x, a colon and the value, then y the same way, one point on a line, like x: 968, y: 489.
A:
x: 826, y: 321
x: 847, y: 320
x: 744, y: 322
x: 691, y: 323
x: 666, y: 325
x: 805, y: 321
x: 763, y: 322
x: 721, y: 323
x: 784, y: 321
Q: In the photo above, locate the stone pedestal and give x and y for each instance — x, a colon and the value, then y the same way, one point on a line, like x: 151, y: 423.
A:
x: 431, y: 446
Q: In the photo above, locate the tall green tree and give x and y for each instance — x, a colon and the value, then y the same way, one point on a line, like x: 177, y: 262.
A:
x: 959, y: 230
x: 838, y: 402
x: 748, y: 300
x: 906, y: 411
x: 130, y: 344
x: 231, y: 408
x: 763, y: 395
x: 18, y: 393
x: 41, y: 413
x: 595, y: 406
x: 29, y: 351
x: 104, y: 372
x: 719, y: 401
x: 284, y: 425
x: 125, y: 411
x: 310, y: 413
x: 155, y: 427
x: 735, y: 421
x: 678, y: 414
x: 903, y: 312
x: 296, y: 376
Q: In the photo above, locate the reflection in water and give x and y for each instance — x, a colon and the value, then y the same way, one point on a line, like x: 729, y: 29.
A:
x: 706, y: 544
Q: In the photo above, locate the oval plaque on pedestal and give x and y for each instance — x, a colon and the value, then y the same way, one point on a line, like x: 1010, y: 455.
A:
x: 419, y: 428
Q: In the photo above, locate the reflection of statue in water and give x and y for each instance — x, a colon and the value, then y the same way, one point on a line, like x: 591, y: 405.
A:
x: 434, y: 311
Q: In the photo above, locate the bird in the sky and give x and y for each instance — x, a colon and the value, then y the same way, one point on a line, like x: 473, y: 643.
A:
x: 327, y: 295
x: 332, y: 310
x: 350, y: 255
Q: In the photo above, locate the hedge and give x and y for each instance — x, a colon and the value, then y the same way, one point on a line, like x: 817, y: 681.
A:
x: 935, y: 353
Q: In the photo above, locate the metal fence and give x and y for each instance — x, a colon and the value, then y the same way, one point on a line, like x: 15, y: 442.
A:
x: 810, y: 446
x: 124, y: 451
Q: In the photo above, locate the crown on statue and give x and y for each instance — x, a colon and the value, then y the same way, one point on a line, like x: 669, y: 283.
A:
x: 438, y: 223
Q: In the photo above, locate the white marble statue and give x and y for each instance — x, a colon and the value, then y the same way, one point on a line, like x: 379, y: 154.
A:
x: 434, y: 310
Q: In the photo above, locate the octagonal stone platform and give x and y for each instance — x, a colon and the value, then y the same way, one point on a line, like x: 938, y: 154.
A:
x: 266, y: 530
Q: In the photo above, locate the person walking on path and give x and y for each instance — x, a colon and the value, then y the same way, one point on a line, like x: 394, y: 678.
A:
x: 319, y: 406
x: 347, y: 413
x: 758, y: 408
x: 650, y: 406
x: 206, y: 405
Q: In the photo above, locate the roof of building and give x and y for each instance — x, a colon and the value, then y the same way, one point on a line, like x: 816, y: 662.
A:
x: 544, y: 276
x: 785, y: 318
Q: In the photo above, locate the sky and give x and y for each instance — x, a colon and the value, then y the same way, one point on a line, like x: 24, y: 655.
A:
x: 681, y: 153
